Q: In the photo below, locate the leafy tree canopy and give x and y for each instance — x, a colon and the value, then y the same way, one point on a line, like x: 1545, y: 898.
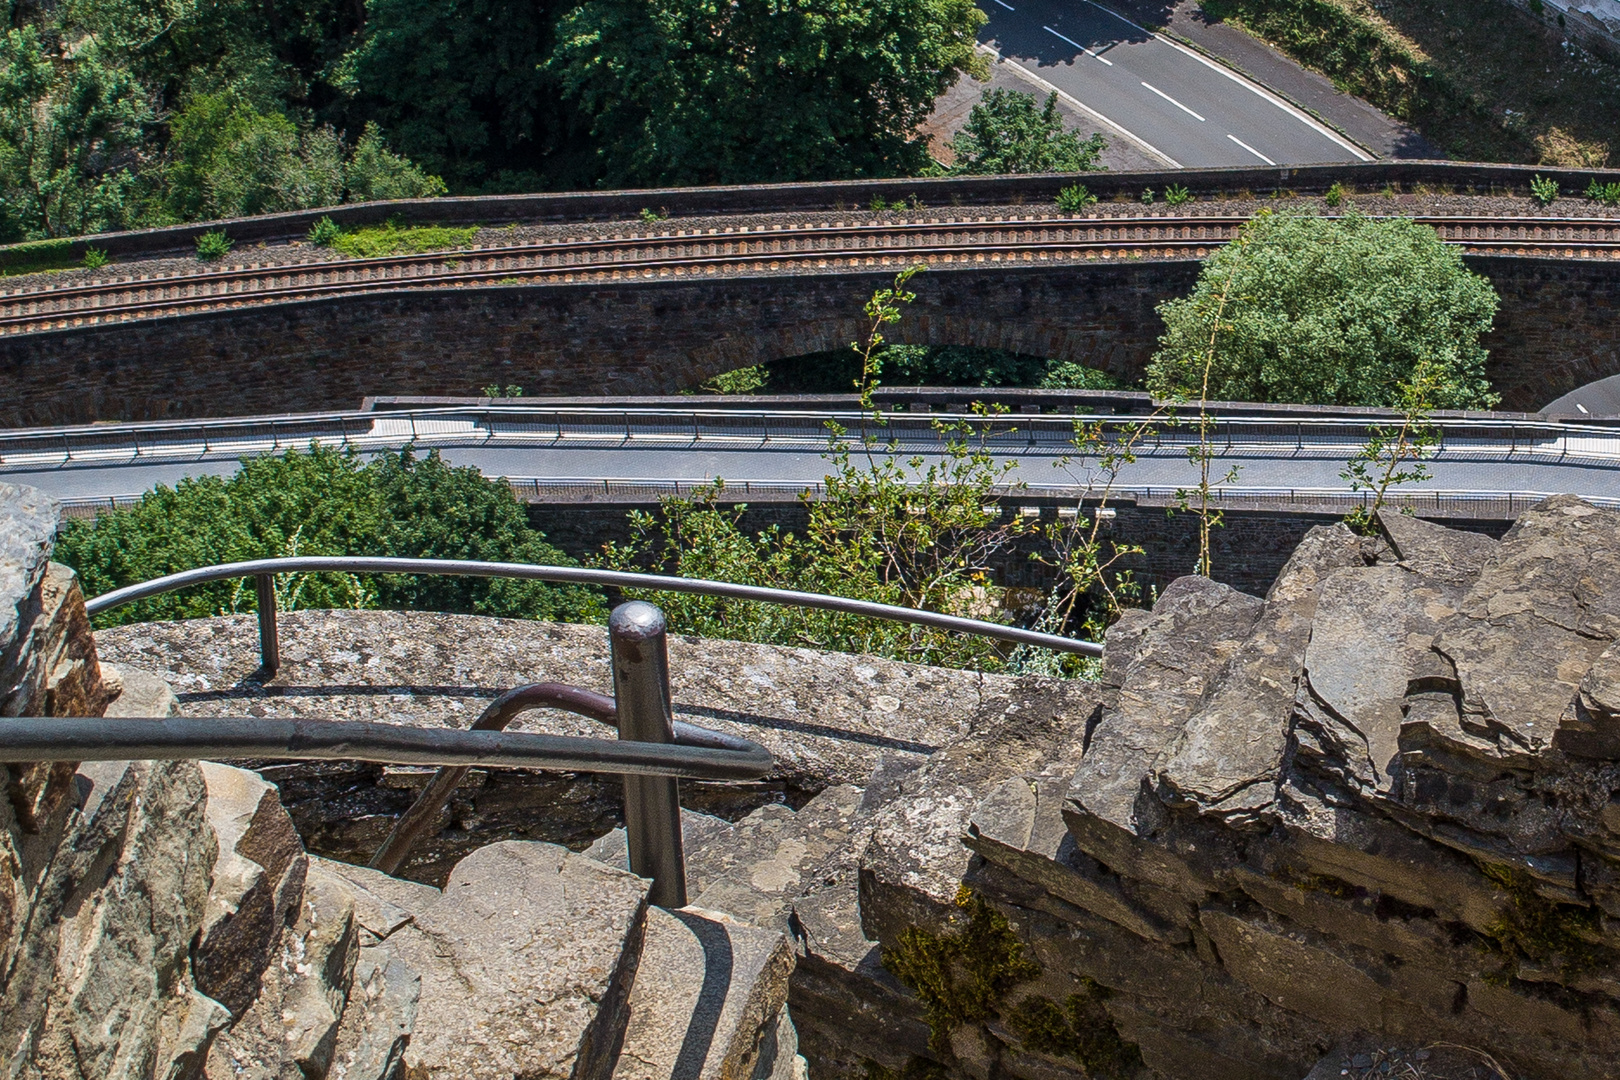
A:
x: 1007, y: 133
x: 689, y: 91
x: 324, y: 503
x: 1332, y: 312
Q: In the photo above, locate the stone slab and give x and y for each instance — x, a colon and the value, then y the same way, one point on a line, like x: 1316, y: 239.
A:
x: 708, y: 994
x: 827, y: 717
x: 526, y: 962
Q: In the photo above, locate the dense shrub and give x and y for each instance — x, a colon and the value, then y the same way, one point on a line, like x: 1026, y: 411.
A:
x: 1329, y: 311
x: 323, y: 502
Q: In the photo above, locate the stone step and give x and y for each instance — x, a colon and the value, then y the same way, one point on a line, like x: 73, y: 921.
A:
x: 708, y: 1001
x: 526, y: 960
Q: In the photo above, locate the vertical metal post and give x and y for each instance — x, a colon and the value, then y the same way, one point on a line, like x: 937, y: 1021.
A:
x: 652, y: 805
x: 269, y: 640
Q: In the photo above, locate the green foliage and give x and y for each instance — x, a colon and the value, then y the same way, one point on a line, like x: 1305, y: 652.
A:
x: 213, y: 245
x: 1335, y: 196
x: 1542, y: 931
x: 397, y: 238
x: 324, y: 232
x: 69, y: 127
x: 892, y: 530
x: 962, y: 975
x: 1147, y: 196
x: 495, y: 391
x: 1176, y: 195
x: 94, y: 258
x: 690, y: 92
x: 1080, y: 1029
x: 1075, y: 198
x: 374, y: 172
x: 37, y: 257
x: 227, y: 159
x: 653, y: 217
x: 1071, y: 376
x: 741, y: 381
x: 1333, y: 312
x: 324, y: 503
x: 463, y: 88
x: 1543, y: 190
x: 1395, y: 455
x: 1608, y: 194
x: 1007, y: 133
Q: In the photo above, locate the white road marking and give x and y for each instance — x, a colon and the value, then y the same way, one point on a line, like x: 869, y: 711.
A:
x: 1130, y: 136
x: 1079, y: 46
x: 1006, y: 5
x: 1297, y: 113
x: 1250, y: 149
x: 1174, y: 102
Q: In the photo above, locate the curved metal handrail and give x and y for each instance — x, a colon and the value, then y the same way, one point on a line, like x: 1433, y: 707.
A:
x: 576, y: 575
x: 417, y: 820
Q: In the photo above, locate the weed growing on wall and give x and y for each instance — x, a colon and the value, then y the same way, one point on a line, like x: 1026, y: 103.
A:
x: 1543, y: 190
x: 397, y: 238
x: 1394, y: 456
x: 1075, y: 198
x: 213, y: 245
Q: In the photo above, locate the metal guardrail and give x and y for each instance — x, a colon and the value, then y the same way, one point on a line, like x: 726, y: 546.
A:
x: 263, y: 572
x: 651, y: 752
x: 478, y: 426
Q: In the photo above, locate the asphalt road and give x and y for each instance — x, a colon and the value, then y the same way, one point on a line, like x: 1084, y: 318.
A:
x: 1175, y: 105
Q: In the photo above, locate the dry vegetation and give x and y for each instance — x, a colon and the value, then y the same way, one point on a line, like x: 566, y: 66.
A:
x: 1483, y: 80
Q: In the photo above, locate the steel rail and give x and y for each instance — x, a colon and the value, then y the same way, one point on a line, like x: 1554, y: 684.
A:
x: 774, y: 234
x: 574, y: 575
x: 374, y: 274
x: 80, y: 738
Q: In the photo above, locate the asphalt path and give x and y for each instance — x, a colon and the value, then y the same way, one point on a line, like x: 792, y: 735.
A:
x: 1180, y: 107
x: 804, y: 462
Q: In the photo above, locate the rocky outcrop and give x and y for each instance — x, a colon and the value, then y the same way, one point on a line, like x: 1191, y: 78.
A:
x: 1372, y: 809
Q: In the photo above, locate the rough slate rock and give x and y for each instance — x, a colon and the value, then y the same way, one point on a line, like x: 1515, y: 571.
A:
x: 1535, y: 621
x: 1165, y: 661
x: 1228, y: 759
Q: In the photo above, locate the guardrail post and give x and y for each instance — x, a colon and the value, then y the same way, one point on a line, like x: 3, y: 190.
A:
x: 652, y: 805
x: 269, y: 639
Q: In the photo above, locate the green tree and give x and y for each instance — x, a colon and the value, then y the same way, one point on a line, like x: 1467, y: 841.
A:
x: 1007, y: 133
x: 227, y: 159
x: 324, y: 502
x: 71, y: 126
x: 1334, y: 312
x: 689, y: 91
x: 462, y: 88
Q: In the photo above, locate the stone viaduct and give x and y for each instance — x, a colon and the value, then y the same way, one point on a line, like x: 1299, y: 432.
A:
x: 1558, y: 328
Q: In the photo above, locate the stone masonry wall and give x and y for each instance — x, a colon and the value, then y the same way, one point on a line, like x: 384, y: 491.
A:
x: 1557, y: 329
x: 1250, y: 548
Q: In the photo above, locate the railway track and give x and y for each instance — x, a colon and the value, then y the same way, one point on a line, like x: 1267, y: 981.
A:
x: 36, y: 304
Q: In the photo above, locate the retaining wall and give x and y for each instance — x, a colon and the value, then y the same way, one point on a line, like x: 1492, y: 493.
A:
x: 1558, y: 328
